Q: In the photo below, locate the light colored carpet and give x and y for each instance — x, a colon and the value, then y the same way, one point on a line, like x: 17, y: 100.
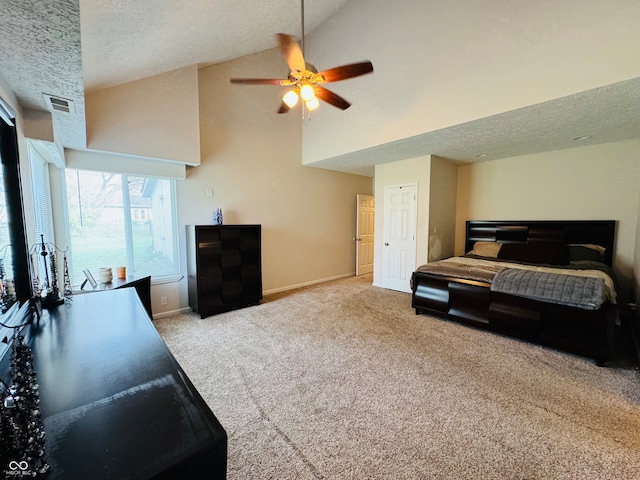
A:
x: 343, y: 381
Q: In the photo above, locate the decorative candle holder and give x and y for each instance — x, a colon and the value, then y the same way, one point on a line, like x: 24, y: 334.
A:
x: 44, y: 254
x: 105, y: 275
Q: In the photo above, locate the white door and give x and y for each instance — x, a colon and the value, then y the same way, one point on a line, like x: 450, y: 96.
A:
x: 364, y: 237
x: 399, y: 248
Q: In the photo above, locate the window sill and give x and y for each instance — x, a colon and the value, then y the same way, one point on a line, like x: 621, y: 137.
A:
x: 76, y: 289
x: 166, y: 279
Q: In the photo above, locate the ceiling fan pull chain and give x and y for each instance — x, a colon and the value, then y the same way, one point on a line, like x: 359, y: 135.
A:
x: 306, y: 108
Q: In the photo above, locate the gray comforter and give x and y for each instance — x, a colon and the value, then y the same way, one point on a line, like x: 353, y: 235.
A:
x: 584, y: 284
x: 582, y: 292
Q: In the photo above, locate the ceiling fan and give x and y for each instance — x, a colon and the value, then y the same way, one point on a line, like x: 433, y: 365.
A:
x: 304, y: 78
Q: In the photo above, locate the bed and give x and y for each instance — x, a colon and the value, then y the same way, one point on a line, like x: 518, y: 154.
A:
x: 548, y: 282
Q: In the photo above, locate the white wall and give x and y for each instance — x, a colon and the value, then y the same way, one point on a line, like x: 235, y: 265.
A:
x: 598, y: 182
x: 435, y: 68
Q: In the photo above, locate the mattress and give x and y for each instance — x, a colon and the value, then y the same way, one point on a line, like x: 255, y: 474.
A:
x: 486, y: 270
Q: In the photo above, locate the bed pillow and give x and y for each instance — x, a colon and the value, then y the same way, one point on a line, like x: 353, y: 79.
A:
x: 586, y: 252
x: 486, y: 249
x: 542, y: 253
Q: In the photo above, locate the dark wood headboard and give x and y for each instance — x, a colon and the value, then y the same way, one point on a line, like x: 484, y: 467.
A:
x: 599, y: 232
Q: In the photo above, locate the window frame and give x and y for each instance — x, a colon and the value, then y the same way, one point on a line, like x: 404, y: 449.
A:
x: 174, y: 276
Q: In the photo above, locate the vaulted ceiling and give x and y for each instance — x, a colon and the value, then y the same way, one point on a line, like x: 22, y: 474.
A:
x: 68, y: 47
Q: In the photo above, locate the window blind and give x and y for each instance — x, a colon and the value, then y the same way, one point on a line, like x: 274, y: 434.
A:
x: 43, y: 216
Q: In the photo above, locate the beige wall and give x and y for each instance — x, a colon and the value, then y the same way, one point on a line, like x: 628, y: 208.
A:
x: 251, y: 164
x: 436, y: 180
x: 597, y: 183
x: 451, y: 73
x: 442, y: 208
x: 405, y: 172
x: 434, y: 69
x: 154, y: 117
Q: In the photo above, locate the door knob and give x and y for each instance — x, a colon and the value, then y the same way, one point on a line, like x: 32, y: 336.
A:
x: 386, y: 244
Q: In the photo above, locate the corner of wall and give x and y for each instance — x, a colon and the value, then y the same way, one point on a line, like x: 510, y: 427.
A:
x: 442, y: 208
x: 155, y: 117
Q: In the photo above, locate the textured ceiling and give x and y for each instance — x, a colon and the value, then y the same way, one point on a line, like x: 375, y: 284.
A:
x: 606, y: 114
x: 40, y: 54
x: 124, y: 40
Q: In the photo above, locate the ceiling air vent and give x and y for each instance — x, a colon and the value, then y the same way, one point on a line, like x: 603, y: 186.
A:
x: 58, y: 104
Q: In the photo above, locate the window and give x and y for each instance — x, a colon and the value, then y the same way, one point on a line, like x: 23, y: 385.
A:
x: 120, y: 220
x: 42, y: 214
x: 43, y: 223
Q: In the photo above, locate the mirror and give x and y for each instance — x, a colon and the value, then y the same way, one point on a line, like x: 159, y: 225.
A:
x: 16, y: 284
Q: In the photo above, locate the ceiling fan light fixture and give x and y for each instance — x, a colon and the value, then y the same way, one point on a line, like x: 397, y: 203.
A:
x: 290, y: 98
x: 312, y: 104
x: 304, y: 77
x: 307, y: 93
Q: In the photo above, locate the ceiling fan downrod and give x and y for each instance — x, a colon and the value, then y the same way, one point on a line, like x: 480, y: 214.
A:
x: 304, y: 80
x: 302, y: 24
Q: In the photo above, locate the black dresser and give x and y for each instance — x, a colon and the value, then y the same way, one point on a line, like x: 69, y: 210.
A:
x: 115, y: 403
x: 141, y: 284
x: 224, y: 266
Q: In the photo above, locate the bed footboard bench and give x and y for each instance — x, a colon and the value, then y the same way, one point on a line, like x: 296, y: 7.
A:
x: 584, y: 332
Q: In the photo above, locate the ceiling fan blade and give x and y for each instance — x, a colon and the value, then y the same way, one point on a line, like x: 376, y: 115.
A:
x: 347, y: 71
x: 291, y: 51
x: 260, y: 81
x: 284, y: 108
x: 331, y: 98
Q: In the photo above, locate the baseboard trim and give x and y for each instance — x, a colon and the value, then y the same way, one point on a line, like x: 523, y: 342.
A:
x: 171, y: 313
x: 307, y: 284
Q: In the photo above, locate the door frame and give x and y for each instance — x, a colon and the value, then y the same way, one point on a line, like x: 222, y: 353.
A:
x: 414, y: 248
x: 358, y: 239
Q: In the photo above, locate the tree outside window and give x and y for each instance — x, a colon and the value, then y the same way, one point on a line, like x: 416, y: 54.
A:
x: 121, y: 220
